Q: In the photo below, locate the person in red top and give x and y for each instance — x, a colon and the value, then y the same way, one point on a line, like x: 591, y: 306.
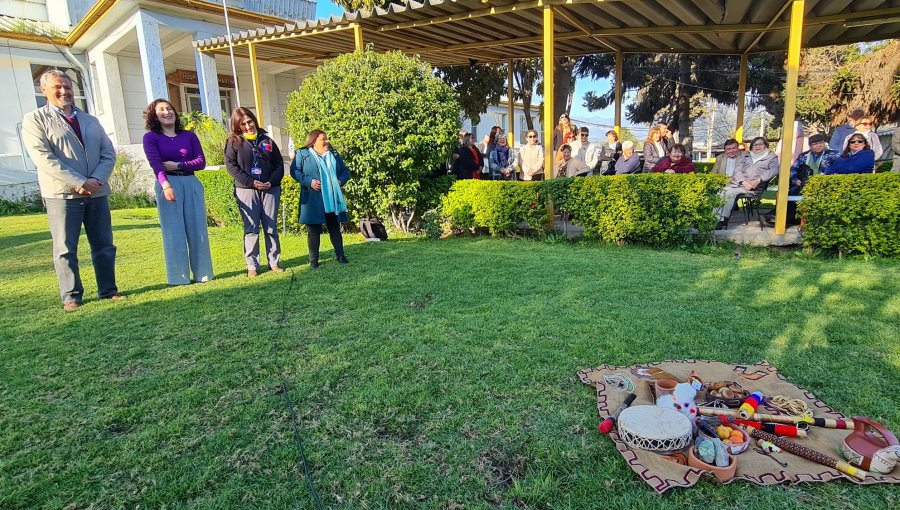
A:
x: 468, y: 164
x: 676, y: 162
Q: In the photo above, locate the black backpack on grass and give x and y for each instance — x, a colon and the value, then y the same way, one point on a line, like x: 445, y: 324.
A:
x: 373, y: 230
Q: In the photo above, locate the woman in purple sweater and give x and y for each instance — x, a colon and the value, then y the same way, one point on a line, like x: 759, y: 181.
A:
x: 174, y: 155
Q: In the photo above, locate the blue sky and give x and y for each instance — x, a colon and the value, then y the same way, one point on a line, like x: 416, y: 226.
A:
x: 325, y: 8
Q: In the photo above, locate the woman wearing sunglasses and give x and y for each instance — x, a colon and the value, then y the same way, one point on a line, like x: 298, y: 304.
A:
x: 857, y: 158
x: 866, y: 127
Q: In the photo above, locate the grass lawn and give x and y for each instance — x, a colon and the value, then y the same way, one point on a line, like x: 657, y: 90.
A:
x: 425, y: 374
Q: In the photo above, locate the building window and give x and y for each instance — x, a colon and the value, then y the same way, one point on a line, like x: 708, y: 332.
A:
x: 192, y: 101
x: 77, y: 84
x: 500, y: 118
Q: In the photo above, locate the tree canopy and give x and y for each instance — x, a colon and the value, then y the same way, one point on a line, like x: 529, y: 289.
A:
x: 672, y: 88
x: 391, y: 120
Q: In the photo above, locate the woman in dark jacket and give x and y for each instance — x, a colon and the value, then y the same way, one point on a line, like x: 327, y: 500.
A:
x: 321, y: 173
x: 254, y: 161
x: 858, y: 157
x: 470, y: 161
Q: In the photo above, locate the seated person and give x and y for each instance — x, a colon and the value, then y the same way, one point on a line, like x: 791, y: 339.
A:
x: 858, y: 158
x: 866, y: 127
x: 609, y: 153
x: 583, y: 149
x: 675, y: 162
x: 628, y: 162
x: 501, y: 160
x: 569, y: 166
x: 754, y: 171
x: 808, y: 163
x: 726, y: 163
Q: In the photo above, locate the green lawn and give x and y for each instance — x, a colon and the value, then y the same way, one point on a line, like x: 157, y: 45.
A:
x: 425, y: 374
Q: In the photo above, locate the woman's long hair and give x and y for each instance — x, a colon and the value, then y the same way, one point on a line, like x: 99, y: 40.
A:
x: 151, y: 121
x: 312, y: 137
x: 237, y: 116
x: 856, y: 134
x: 492, y: 140
x: 652, y: 130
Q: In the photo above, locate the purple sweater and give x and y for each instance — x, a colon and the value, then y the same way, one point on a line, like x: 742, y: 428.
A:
x: 184, y: 148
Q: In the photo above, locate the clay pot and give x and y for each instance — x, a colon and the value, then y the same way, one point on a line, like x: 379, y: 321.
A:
x: 737, y: 449
x: 724, y: 474
x: 665, y: 387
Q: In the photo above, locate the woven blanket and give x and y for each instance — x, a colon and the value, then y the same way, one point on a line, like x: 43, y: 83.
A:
x: 662, y: 474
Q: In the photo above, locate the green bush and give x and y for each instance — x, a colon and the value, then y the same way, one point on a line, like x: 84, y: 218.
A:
x: 432, y: 192
x: 647, y: 208
x: 703, y: 167
x: 391, y: 120
x: 556, y: 191
x: 125, y: 191
x: 27, y: 205
x: 221, y: 206
x: 212, y: 135
x: 497, y: 206
x: 853, y: 213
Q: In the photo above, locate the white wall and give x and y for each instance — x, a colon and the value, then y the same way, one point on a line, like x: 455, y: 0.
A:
x: 30, y: 9
x: 19, y: 96
x: 133, y: 93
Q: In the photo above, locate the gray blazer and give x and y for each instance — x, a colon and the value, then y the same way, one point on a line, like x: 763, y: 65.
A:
x: 63, y: 163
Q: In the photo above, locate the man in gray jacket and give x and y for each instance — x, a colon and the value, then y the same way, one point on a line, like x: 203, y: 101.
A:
x: 74, y: 160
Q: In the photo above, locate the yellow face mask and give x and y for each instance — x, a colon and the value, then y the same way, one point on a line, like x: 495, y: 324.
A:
x: 250, y: 136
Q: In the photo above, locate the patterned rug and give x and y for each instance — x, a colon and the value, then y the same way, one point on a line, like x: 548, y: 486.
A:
x: 662, y: 474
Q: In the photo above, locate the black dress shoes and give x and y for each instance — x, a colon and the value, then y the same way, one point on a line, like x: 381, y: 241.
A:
x: 343, y: 260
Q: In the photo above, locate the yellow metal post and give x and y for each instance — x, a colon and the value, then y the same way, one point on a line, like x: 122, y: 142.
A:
x: 257, y: 89
x: 549, y: 120
x: 511, y: 107
x: 795, y: 40
x: 358, y: 38
x: 741, y: 97
x: 619, y: 65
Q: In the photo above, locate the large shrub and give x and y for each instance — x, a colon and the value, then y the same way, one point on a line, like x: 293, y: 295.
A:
x: 853, y: 213
x: 212, y: 135
x: 648, y: 208
x: 390, y: 119
x: 500, y: 207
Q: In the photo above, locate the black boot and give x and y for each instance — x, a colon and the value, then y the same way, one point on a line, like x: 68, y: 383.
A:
x: 342, y: 259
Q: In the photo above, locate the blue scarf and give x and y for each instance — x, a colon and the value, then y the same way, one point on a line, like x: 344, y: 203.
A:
x: 503, y: 156
x: 332, y: 196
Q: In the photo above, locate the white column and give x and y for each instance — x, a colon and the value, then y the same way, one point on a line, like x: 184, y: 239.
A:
x: 151, y: 57
x: 208, y: 80
x: 112, y: 97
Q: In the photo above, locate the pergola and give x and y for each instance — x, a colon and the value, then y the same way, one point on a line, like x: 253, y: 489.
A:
x: 456, y: 32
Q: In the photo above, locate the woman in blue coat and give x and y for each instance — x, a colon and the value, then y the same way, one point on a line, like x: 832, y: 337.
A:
x: 858, y: 158
x: 321, y: 173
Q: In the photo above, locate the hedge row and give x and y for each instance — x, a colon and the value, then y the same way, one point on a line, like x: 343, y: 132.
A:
x: 853, y: 213
x: 500, y: 207
x: 647, y: 208
x: 222, y: 210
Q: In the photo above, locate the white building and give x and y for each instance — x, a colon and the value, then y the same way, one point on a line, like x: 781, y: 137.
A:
x: 123, y: 54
